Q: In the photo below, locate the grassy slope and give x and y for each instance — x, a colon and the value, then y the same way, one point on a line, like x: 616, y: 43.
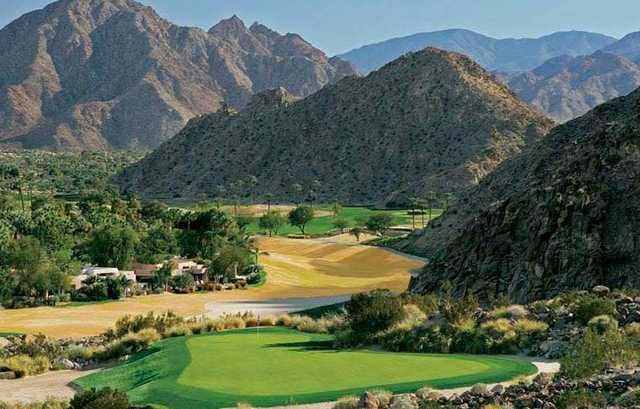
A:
x: 281, y: 366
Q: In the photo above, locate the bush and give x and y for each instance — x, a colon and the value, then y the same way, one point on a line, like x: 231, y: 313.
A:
x: 50, y: 403
x: 178, y: 331
x: 603, y: 323
x: 106, y: 398
x: 590, y: 306
x: 347, y: 402
x: 432, y: 340
x: 183, y: 284
x: 284, y: 320
x: 503, y: 335
x: 582, y: 400
x: 457, y: 311
x: 24, y: 365
x: 135, y: 342
x: 128, y: 324
x: 372, y: 312
x: 594, y: 352
x: 511, y: 312
x: 471, y: 342
x: 383, y: 397
x: 529, y: 331
x: 630, y: 399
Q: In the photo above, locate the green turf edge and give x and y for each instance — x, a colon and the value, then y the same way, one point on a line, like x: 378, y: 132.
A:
x: 319, y: 312
x: 175, y: 395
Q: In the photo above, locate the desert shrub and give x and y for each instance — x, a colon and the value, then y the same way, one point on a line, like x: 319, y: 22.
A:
x: 198, y: 327
x: 308, y: 324
x: 590, y: 306
x: 458, y: 310
x: 284, y: 320
x: 529, y: 331
x: 511, y: 312
x: 632, y: 331
x: 603, y: 323
x: 630, y: 399
x: 183, y: 283
x: 106, y: 398
x: 372, y: 312
x: 594, y: 352
x: 76, y: 352
x: 47, y: 404
x: 403, y: 402
x: 113, y: 350
x: 503, y: 335
x: 582, y: 400
x: 24, y: 365
x: 233, y: 322
x: 431, y: 340
x: 251, y: 321
x: 135, y: 342
x: 347, y: 402
x: 470, y: 341
x: 397, y: 339
x: 268, y: 321
x: 181, y: 330
x: 346, y: 338
x: 428, y: 303
x: 128, y: 323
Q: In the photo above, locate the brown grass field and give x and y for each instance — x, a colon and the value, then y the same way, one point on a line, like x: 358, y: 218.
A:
x: 296, y: 269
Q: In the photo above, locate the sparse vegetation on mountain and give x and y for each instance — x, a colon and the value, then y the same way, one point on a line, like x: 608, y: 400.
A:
x: 396, y: 133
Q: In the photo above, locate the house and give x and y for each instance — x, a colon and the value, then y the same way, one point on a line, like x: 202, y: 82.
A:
x: 145, y: 272
x: 100, y: 272
x: 189, y: 266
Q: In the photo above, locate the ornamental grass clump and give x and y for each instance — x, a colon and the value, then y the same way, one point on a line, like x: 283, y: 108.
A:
x: 24, y: 365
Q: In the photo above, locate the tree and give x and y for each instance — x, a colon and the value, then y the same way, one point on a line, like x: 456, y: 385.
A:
x: 252, y: 183
x: 113, y: 246
x: 272, y: 222
x: 316, y: 185
x: 183, y: 283
x: 341, y: 224
x: 229, y: 261
x: 336, y: 209
x: 243, y: 222
x: 300, y: 217
x: 380, y: 223
x: 356, y: 232
x: 162, y: 276
x: 269, y: 197
x: 296, y: 190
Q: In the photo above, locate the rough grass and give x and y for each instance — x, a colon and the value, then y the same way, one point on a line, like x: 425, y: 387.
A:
x: 275, y: 366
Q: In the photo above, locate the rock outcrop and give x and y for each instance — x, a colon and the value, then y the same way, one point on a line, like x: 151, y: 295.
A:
x: 561, y: 215
x: 102, y: 74
x: 430, y: 121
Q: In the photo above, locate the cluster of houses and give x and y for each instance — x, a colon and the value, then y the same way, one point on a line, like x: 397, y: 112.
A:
x: 143, y: 274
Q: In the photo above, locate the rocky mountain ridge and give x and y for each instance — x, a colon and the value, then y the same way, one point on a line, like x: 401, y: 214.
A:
x: 103, y: 74
x: 561, y: 215
x: 428, y: 121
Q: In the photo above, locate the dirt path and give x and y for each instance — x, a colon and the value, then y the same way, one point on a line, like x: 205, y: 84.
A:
x: 38, y: 388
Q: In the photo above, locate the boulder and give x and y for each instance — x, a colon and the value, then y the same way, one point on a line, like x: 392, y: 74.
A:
x: 7, y: 375
x: 601, y: 290
x: 368, y: 401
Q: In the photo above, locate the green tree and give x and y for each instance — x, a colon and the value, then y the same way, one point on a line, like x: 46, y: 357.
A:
x: 230, y: 261
x: 113, y: 246
x: 341, y: 224
x: 296, y: 190
x: 272, y: 222
x: 300, y: 217
x: 162, y: 276
x: 243, y: 222
x: 183, y: 283
x: 375, y: 311
x: 380, y: 223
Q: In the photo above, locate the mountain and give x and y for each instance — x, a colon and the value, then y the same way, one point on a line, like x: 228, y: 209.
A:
x: 102, y: 74
x: 495, y: 55
x: 562, y: 215
x: 568, y: 87
x: 628, y: 46
x: 430, y: 120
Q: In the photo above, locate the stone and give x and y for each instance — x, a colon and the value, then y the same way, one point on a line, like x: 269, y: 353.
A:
x: 498, y: 389
x: 7, y: 375
x: 479, y: 389
x: 601, y: 290
x: 368, y: 401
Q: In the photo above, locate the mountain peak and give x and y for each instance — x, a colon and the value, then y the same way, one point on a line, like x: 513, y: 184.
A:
x: 271, y: 99
x: 230, y: 27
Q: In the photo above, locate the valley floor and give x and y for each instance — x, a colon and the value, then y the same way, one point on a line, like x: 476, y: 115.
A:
x: 301, y: 274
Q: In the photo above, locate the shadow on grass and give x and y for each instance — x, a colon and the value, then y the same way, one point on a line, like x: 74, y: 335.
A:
x: 305, y: 346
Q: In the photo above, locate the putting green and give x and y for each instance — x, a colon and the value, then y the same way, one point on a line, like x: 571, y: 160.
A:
x: 278, y: 366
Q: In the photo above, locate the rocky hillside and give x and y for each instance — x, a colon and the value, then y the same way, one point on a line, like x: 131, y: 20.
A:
x: 432, y: 120
x: 567, y: 87
x: 562, y: 215
x: 101, y: 74
x: 496, y: 55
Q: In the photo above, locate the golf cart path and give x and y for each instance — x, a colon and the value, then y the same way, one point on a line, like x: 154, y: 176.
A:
x: 58, y: 384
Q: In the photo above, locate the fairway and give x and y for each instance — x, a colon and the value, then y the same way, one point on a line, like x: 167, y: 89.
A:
x: 276, y: 366
x: 296, y: 269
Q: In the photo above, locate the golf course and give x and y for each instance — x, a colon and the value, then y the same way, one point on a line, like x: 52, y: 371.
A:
x: 276, y: 366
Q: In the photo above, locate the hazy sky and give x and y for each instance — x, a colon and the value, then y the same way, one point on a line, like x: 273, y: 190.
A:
x: 339, y: 25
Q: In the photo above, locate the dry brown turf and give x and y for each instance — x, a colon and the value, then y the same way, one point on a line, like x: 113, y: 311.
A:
x: 296, y: 269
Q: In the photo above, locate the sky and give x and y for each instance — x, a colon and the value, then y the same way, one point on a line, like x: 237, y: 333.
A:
x: 337, y: 26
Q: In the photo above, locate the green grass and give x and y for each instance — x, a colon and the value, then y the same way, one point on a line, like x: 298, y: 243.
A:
x: 324, y: 310
x: 323, y: 225
x: 277, y: 366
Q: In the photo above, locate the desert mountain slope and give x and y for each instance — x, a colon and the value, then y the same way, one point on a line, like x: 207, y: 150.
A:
x: 562, y: 215
x: 495, y: 55
x: 567, y: 87
x: 101, y: 74
x: 628, y: 46
x: 431, y: 120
